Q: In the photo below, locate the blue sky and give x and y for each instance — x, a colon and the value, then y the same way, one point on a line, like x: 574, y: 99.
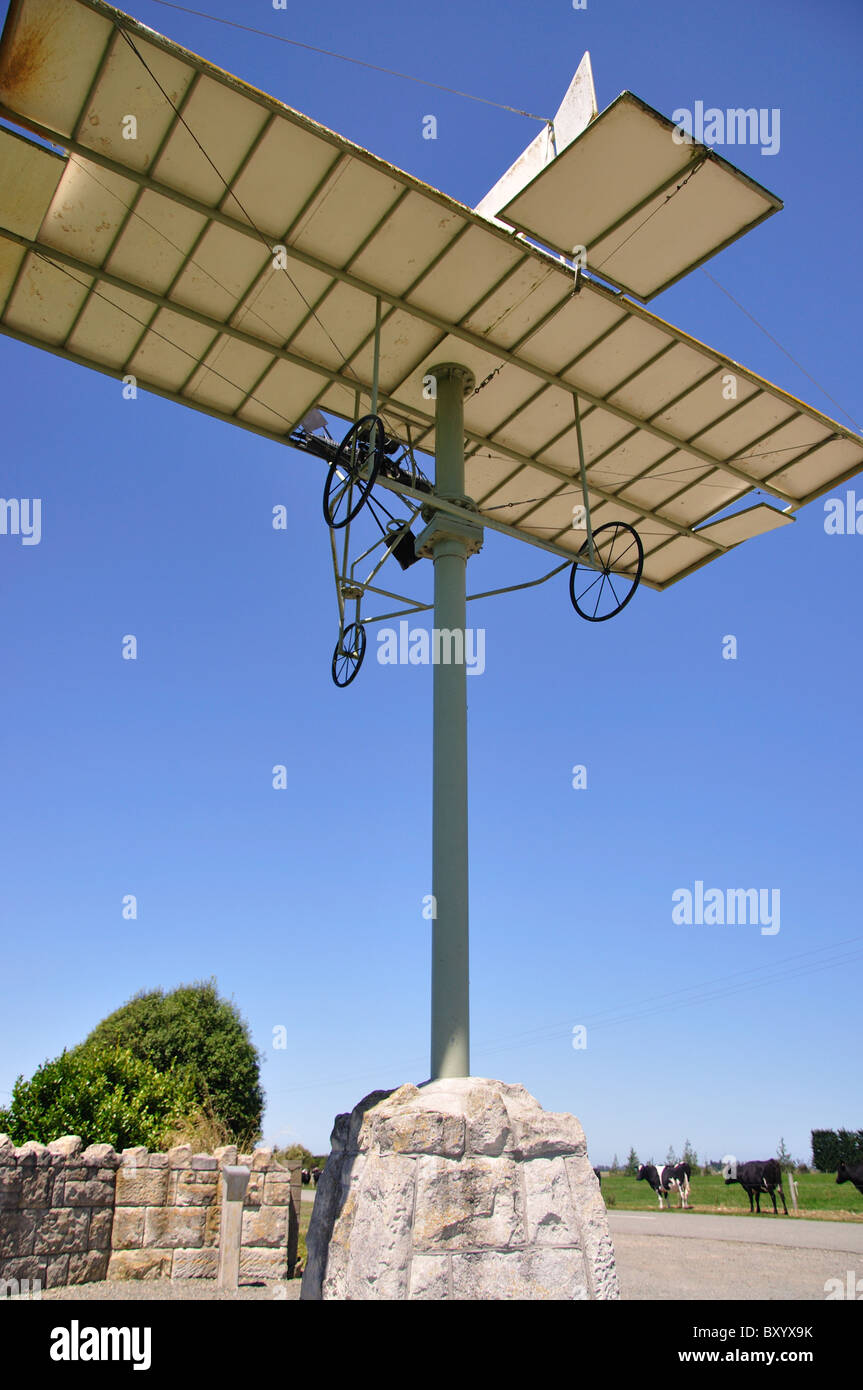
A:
x: 154, y: 777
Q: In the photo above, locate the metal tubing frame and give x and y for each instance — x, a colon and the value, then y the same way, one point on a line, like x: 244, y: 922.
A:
x: 469, y: 598
x: 389, y: 541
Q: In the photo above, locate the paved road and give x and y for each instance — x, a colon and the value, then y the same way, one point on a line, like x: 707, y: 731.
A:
x: 692, y: 1257
x: 753, y: 1230
x: 660, y: 1256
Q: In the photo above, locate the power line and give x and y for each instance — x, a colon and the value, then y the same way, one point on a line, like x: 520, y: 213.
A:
x: 703, y: 992
x: 358, y: 62
x: 554, y: 1031
x: 777, y: 343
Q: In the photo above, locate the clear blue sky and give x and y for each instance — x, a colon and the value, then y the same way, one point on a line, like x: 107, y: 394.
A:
x: 154, y: 777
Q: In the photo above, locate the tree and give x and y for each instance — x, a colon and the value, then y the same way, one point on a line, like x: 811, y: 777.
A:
x: 830, y: 1147
x: 786, y: 1162
x: 615, y: 1166
x: 194, y: 1031
x: 671, y: 1156
x: 632, y: 1165
x: 689, y: 1155
x: 103, y: 1094
x: 299, y: 1151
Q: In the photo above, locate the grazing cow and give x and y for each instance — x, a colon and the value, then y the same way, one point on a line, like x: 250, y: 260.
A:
x: 316, y: 1173
x: 674, y: 1176
x: 306, y: 1176
x: 760, y: 1175
x: 647, y: 1173
x: 855, y: 1175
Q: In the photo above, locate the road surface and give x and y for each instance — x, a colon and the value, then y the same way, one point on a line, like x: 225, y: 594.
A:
x: 682, y: 1256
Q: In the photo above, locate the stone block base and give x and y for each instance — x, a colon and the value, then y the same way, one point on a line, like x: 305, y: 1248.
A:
x: 462, y: 1188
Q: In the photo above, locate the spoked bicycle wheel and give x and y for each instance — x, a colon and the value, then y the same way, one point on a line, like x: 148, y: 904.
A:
x: 353, y: 471
x: 599, y: 594
x: 349, y: 653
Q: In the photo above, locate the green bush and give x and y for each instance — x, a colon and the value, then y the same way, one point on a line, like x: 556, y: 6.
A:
x: 104, y: 1094
x: 193, y: 1030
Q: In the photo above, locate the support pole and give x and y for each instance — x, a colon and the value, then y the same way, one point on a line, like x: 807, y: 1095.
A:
x: 449, y: 541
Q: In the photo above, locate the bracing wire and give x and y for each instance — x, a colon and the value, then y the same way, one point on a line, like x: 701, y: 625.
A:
x: 346, y: 58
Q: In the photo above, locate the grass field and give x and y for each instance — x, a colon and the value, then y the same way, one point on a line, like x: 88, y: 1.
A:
x: 819, y: 1197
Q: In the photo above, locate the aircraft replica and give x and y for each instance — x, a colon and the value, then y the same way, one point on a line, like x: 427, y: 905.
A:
x: 192, y: 235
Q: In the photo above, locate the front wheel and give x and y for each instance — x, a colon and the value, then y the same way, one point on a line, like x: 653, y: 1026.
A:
x: 353, y: 471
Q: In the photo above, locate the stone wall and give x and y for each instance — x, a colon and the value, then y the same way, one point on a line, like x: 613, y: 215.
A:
x: 56, y: 1211
x: 69, y: 1215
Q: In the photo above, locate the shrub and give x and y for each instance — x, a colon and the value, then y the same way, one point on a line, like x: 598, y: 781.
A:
x: 104, y: 1094
x: 193, y: 1030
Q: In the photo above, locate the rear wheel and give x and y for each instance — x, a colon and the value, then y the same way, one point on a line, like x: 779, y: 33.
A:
x: 604, y: 591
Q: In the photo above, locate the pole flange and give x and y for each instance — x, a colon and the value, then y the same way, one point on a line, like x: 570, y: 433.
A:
x: 449, y: 528
x: 453, y: 369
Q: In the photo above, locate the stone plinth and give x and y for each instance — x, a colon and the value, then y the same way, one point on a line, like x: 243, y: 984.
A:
x: 458, y: 1189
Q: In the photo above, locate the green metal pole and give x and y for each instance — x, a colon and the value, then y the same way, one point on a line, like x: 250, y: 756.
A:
x: 450, y: 1010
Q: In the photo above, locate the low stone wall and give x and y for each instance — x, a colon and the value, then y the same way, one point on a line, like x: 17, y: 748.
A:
x: 69, y: 1215
x: 56, y: 1211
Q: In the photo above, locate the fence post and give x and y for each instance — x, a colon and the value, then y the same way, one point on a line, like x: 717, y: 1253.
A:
x: 235, y: 1180
x: 792, y: 1187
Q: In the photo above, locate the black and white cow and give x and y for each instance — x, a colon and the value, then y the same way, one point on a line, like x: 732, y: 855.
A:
x: 760, y: 1175
x: 851, y: 1174
x: 673, y: 1178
